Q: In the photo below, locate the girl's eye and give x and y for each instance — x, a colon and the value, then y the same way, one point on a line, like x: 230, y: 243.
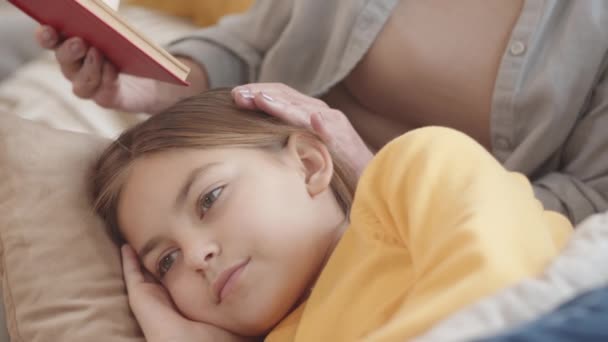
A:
x: 165, y: 263
x: 207, y: 200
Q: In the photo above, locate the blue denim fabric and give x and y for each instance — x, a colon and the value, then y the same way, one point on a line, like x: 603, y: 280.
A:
x: 582, y: 319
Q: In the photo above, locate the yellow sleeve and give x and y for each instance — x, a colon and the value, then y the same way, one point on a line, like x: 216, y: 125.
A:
x: 470, y: 226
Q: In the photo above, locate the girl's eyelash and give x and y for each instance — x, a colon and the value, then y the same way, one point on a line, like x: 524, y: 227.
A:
x: 163, y: 269
x: 204, y: 203
x: 207, y: 200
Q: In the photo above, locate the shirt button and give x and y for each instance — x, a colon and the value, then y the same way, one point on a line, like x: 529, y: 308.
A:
x: 517, y: 48
x: 502, y: 143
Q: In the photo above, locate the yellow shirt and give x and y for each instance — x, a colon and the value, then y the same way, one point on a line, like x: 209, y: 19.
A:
x: 436, y: 224
x: 202, y: 12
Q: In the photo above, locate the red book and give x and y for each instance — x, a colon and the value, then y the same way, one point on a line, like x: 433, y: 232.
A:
x: 101, y: 26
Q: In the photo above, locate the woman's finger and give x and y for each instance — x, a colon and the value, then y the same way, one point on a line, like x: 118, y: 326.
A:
x: 109, y: 87
x: 130, y: 267
x: 319, y: 127
x: 47, y: 37
x: 109, y: 75
x: 69, y: 55
x: 280, y: 91
x: 243, y: 97
x: 89, y: 78
x: 292, y: 114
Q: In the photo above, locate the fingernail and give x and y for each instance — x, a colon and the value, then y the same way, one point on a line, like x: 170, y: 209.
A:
x: 75, y: 47
x: 246, y: 93
x: 267, y: 97
x: 46, y: 36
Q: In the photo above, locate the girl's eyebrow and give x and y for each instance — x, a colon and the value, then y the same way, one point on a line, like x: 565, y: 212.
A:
x: 148, y: 247
x: 192, y: 177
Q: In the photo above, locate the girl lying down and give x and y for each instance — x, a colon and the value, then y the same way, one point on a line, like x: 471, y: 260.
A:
x: 237, y: 226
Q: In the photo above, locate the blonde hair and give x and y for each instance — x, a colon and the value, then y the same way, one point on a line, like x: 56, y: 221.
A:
x: 205, y: 121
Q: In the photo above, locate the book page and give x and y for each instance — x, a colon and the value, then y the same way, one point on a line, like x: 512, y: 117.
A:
x: 112, y: 3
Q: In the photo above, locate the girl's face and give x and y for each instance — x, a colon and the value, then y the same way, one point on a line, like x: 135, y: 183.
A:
x: 237, y: 236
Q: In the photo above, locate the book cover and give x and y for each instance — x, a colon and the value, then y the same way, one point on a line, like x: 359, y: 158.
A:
x: 100, y: 26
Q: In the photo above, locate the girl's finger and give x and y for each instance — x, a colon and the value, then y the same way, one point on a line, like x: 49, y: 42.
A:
x: 130, y: 267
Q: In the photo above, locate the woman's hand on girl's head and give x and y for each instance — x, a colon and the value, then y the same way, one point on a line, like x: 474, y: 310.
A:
x: 157, y: 316
x: 331, y: 125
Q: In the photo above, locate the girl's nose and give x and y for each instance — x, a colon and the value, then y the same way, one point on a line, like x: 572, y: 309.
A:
x: 201, y: 256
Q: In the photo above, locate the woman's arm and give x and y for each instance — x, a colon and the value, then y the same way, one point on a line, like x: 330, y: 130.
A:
x: 232, y: 51
x: 580, y: 187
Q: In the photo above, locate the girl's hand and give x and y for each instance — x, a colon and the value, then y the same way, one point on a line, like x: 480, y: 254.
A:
x: 156, y: 313
x: 331, y: 125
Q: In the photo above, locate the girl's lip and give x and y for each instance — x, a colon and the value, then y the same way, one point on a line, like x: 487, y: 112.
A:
x: 229, y: 275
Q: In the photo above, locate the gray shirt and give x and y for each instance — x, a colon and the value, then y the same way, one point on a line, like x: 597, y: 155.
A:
x: 549, y: 116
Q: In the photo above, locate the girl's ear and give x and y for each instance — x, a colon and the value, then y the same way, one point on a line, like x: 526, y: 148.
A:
x: 313, y: 159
